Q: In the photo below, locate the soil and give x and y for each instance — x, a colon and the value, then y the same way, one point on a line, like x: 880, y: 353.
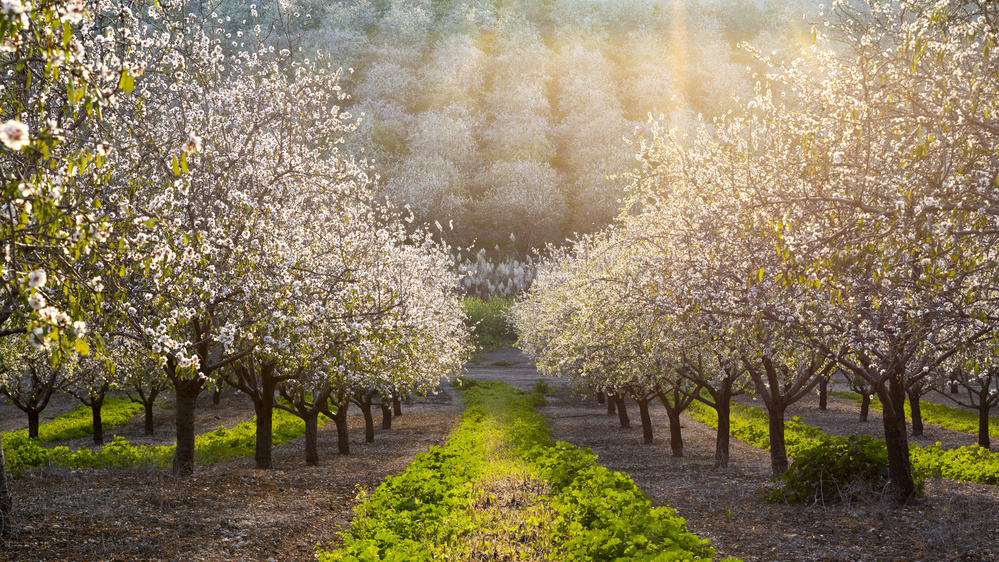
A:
x: 233, y: 511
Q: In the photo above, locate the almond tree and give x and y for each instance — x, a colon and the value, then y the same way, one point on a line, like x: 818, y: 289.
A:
x: 891, y: 217
x: 29, y: 379
x: 226, y: 145
x: 57, y: 84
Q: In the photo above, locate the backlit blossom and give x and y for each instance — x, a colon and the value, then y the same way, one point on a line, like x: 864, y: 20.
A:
x: 14, y: 134
x: 37, y: 301
x: 36, y: 279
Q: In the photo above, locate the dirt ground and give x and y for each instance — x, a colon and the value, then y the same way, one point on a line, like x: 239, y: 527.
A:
x: 234, y: 512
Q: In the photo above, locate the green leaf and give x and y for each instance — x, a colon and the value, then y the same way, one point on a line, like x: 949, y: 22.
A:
x: 81, y: 346
x: 176, y: 166
x: 126, y: 83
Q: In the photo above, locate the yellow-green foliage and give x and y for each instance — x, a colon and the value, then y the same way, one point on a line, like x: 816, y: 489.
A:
x: 590, y: 513
x: 79, y: 422
x: 966, y: 464
x: 751, y: 425
x: 936, y: 414
x: 209, y: 448
x: 488, y: 321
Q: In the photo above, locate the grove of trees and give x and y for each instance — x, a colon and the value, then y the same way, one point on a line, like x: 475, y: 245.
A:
x: 841, y: 218
x: 179, y: 213
x: 509, y: 117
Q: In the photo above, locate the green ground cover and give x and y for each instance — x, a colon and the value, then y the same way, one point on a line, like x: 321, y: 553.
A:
x: 501, y: 488
x: 79, y: 421
x: 750, y: 424
x: 210, y: 448
x: 936, y: 414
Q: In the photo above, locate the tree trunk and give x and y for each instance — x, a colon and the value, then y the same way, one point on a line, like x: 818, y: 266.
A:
x: 187, y: 392
x: 369, y: 422
x: 865, y: 406
x: 386, y: 416
x: 778, y: 449
x: 396, y: 406
x: 643, y: 412
x: 6, y: 502
x: 723, y: 407
x: 983, y: 425
x: 901, y: 486
x: 96, y: 405
x: 265, y: 431
x: 217, y: 395
x: 675, y: 437
x: 342, y: 433
x: 148, y: 406
x: 823, y: 393
x: 917, y: 415
x: 600, y: 397
x: 611, y: 408
x: 312, y: 439
x: 33, y: 424
x: 622, y: 411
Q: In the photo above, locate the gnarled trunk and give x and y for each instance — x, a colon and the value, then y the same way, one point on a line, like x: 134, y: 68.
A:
x: 6, y: 502
x: 723, y: 407
x: 983, y: 424
x: 865, y: 406
x: 369, y: 422
x: 33, y: 422
x: 342, y: 433
x: 917, y: 415
x: 95, y: 406
x: 386, y: 416
x: 396, y: 405
x: 264, y: 409
x: 823, y: 393
x: 150, y: 429
x: 600, y: 397
x: 901, y: 486
x: 675, y: 436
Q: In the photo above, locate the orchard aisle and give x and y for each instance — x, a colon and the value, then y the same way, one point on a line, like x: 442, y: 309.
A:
x: 510, y: 365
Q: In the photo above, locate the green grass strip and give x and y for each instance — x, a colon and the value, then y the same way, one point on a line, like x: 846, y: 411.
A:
x: 209, y: 448
x: 499, y: 489
x: 79, y: 422
x: 936, y: 414
x: 750, y: 424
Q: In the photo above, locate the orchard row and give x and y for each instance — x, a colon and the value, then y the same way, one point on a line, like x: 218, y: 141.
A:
x: 178, y: 214
x: 842, y: 221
